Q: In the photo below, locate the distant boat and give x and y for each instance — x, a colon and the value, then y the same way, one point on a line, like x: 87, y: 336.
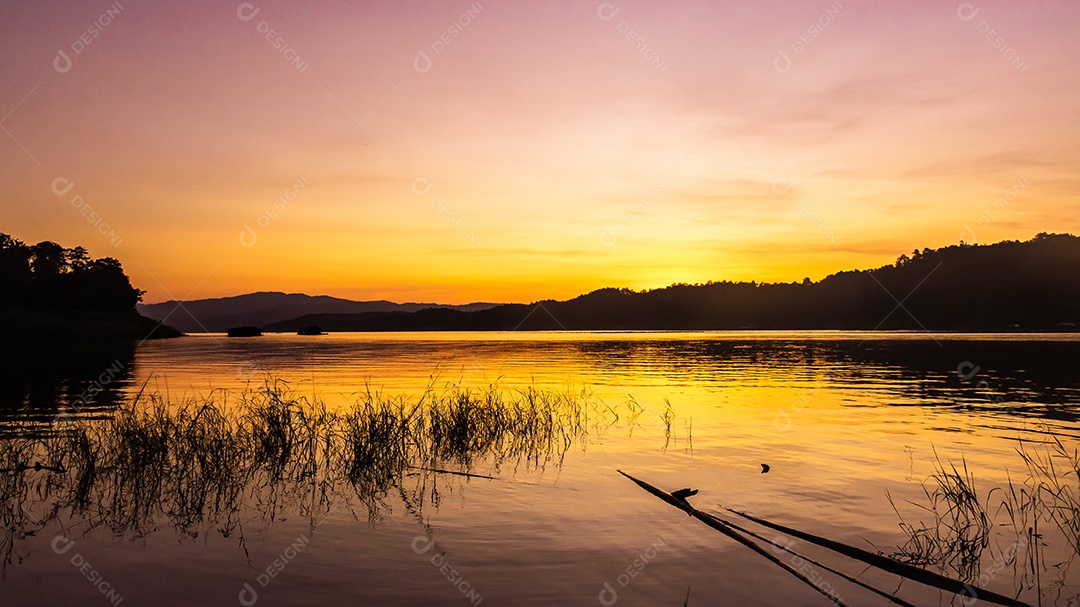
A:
x: 1065, y: 326
x: 245, y: 332
x: 310, y: 330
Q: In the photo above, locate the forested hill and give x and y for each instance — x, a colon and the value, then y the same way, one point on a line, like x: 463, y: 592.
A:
x: 47, y: 290
x: 1033, y: 285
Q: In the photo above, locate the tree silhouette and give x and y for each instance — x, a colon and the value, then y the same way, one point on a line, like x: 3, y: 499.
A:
x: 46, y: 276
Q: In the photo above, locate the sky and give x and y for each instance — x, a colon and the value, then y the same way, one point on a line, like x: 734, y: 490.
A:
x: 463, y: 151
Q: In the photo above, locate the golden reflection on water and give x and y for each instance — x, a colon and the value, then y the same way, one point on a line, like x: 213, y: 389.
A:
x: 840, y: 418
x: 836, y: 415
x: 830, y: 408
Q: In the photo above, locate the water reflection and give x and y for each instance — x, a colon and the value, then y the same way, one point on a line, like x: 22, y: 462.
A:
x: 198, y: 467
x: 1036, y: 379
x: 1028, y: 529
x: 840, y: 417
x: 44, y: 379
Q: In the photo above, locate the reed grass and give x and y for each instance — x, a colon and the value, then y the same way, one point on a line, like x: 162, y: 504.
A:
x: 1052, y: 490
x: 197, y: 466
x: 959, y: 529
x: 1034, y: 516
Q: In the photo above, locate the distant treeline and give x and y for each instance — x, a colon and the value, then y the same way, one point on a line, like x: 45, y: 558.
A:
x: 50, y: 290
x: 1011, y: 285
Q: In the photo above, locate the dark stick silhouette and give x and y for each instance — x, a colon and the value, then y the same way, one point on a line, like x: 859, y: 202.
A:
x: 882, y: 562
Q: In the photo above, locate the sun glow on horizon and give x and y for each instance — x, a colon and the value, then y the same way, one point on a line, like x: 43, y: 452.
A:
x: 532, y: 152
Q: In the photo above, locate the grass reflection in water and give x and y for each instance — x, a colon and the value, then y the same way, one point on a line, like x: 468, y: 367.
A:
x: 215, y: 465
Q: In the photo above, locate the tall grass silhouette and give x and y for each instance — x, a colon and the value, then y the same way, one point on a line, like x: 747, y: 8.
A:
x: 196, y: 466
x: 1028, y: 526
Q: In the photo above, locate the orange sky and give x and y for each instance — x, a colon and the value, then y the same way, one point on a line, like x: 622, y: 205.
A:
x: 533, y: 150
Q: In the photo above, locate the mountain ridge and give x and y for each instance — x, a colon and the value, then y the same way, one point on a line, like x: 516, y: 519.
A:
x: 1010, y: 285
x: 265, y: 307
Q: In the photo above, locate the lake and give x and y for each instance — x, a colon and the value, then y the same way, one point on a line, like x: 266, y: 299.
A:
x: 860, y: 432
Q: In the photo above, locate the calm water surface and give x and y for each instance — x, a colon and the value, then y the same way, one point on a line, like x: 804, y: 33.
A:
x: 841, y: 418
